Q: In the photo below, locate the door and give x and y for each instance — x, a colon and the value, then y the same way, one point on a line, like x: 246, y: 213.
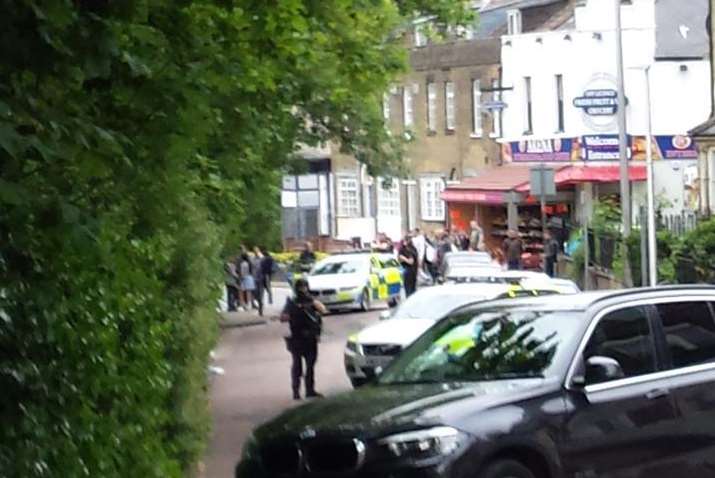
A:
x: 689, y: 331
x: 621, y: 427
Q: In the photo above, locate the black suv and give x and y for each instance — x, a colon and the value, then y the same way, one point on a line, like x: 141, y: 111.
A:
x: 618, y: 384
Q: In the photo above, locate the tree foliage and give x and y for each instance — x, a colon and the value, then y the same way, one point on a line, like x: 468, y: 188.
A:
x: 137, y: 139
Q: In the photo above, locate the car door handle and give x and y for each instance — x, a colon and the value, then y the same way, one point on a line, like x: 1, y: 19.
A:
x: 657, y: 393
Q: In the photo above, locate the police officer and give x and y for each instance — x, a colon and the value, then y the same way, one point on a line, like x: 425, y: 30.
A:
x: 303, y: 313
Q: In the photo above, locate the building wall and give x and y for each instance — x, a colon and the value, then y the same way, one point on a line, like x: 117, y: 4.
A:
x: 586, y: 59
x: 446, y: 154
x: 677, y: 96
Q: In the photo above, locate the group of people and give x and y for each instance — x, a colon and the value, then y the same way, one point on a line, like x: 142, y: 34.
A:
x: 423, y: 254
x: 248, y: 279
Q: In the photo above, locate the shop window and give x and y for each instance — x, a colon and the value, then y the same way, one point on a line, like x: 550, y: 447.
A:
x: 449, y: 109
x: 388, y: 198
x: 431, y: 203
x: 348, y: 197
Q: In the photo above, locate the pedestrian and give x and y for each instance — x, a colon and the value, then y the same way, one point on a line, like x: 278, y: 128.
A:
x: 408, y: 260
x: 476, y: 237
x: 304, y: 315
x: 258, y: 278
x: 444, y: 247
x: 513, y: 248
x: 268, y: 265
x: 306, y: 258
x: 551, y: 253
x: 231, y: 279
x: 247, y: 283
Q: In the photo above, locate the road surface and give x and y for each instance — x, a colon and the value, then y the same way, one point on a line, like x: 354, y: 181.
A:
x: 256, y: 384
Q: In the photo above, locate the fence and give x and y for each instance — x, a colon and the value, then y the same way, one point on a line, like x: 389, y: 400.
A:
x: 603, y: 247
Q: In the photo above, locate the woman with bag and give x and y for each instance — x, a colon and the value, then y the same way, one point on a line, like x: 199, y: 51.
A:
x: 304, y: 315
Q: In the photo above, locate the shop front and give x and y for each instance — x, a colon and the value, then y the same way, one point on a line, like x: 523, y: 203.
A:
x: 495, y: 201
x: 500, y: 200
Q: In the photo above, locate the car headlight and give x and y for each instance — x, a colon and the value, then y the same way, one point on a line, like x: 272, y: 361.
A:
x: 423, y: 444
x: 250, y: 448
x: 353, y: 345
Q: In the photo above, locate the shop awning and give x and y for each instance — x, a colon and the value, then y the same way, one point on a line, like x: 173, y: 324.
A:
x: 592, y: 174
x: 490, y: 186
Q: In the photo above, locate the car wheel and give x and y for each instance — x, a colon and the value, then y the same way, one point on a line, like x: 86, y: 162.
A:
x: 506, y: 469
x: 365, y: 301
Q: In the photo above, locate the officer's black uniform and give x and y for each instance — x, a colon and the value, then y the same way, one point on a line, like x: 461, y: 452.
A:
x: 305, y: 328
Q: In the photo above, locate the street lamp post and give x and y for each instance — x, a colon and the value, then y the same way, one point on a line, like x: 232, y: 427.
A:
x: 652, y: 243
x: 622, y: 147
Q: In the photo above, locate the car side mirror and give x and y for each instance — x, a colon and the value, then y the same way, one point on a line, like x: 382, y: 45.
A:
x: 385, y: 314
x: 601, y: 369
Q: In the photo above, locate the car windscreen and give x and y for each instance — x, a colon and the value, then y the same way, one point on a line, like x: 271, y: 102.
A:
x: 431, y: 306
x: 339, y: 267
x: 492, y: 344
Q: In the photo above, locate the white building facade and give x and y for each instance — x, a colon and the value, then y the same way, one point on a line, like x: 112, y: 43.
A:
x: 561, y: 86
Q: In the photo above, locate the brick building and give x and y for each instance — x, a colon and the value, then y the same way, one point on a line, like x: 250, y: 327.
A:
x: 442, y: 104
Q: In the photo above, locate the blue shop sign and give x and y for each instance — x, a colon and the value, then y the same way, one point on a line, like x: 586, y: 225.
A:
x: 598, y: 102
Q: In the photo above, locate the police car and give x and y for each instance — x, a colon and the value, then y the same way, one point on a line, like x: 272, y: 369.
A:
x: 375, y: 346
x: 346, y: 281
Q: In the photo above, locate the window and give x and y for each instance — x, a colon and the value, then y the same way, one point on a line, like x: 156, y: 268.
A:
x: 431, y: 203
x: 348, y: 197
x: 431, y: 107
x: 408, y: 113
x: 476, y: 108
x: 624, y: 336
x: 527, y: 97
x: 689, y: 332
x: 420, y: 34
x: 560, y: 103
x: 513, y: 22
x: 496, y: 113
x: 386, y: 107
x: 388, y: 199
x: 449, y: 105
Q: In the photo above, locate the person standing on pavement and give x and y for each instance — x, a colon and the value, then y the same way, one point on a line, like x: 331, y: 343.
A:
x: 409, y: 262
x: 513, y: 248
x: 307, y: 256
x: 247, y: 282
x: 551, y: 253
x: 476, y: 237
x: 231, y: 279
x: 267, y: 266
x: 304, y: 315
x: 258, y: 278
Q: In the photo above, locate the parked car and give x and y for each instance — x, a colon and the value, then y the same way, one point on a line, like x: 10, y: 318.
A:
x: 490, y: 275
x: 346, y: 281
x: 377, y: 345
x: 606, y: 384
x: 467, y: 259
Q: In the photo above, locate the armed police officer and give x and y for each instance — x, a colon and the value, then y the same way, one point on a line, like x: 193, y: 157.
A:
x: 304, y: 315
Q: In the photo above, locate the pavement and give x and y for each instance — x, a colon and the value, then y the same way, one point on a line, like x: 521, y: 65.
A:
x: 250, y: 383
x: 247, y: 318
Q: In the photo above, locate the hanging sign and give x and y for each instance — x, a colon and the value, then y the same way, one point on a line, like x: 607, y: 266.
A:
x: 602, y: 102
